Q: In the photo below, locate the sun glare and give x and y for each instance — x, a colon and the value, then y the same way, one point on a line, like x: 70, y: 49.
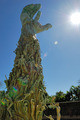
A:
x: 75, y: 18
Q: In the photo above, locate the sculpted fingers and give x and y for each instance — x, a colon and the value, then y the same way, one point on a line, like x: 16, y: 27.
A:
x: 25, y: 18
x: 37, y: 16
x: 46, y: 27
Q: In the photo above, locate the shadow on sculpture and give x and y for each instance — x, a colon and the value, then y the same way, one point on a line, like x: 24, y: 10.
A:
x: 25, y: 98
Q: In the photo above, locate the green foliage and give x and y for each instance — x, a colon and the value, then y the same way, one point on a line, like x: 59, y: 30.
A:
x: 60, y: 96
x: 75, y: 93
x: 72, y: 95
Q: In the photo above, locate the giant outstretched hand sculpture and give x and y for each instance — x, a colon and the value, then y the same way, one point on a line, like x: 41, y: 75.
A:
x: 26, y: 95
x: 31, y: 25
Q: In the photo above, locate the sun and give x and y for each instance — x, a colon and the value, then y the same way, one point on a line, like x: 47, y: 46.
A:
x: 75, y: 18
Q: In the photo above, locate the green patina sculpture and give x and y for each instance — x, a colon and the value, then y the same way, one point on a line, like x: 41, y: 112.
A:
x: 25, y: 98
x: 32, y: 25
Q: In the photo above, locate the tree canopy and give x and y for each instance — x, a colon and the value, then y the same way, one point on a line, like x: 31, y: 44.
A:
x: 72, y: 95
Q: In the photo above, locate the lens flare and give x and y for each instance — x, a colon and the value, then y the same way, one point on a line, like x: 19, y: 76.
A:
x: 3, y: 103
x: 14, y: 89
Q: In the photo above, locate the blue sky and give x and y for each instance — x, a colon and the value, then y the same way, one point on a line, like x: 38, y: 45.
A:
x: 61, y: 59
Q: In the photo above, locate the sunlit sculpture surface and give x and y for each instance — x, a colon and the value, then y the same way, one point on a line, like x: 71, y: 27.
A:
x: 25, y: 97
x: 30, y: 25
